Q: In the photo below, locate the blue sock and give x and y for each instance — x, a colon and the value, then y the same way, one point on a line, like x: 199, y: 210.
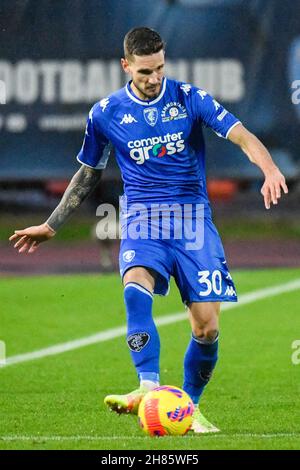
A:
x: 200, y: 359
x: 142, y: 335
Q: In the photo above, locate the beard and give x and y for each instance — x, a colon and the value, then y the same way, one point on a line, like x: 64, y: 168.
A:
x: 149, y: 92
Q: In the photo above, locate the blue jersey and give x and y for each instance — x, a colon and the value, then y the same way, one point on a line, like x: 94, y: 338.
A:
x: 158, y: 143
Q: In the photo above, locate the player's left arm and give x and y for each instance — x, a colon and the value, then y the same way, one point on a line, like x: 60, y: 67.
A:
x: 258, y: 154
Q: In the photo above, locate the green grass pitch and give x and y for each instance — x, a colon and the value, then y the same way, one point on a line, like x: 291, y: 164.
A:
x: 57, y: 402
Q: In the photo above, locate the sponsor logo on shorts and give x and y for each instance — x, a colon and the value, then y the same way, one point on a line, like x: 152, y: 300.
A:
x: 138, y: 341
x: 230, y: 291
x: 128, y: 256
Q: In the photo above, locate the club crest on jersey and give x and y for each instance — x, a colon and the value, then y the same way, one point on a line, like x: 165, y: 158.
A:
x: 151, y: 115
x: 173, y: 111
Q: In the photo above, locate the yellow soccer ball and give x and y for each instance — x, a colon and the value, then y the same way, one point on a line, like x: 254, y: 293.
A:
x: 166, y: 410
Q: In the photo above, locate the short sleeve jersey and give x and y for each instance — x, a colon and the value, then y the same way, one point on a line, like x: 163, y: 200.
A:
x: 159, y: 144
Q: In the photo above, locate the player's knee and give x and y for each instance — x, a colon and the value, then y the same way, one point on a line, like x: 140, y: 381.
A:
x: 207, y: 334
x: 140, y: 276
x: 211, y: 334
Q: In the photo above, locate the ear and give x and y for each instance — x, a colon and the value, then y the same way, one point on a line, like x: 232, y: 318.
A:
x: 125, y: 65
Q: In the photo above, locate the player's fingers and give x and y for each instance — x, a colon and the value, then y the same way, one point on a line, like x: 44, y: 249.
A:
x: 21, y: 232
x: 33, y: 247
x: 284, y: 187
x: 267, y: 199
x: 273, y: 194
x: 278, y: 191
x: 25, y: 246
x: 20, y: 241
x: 13, y: 237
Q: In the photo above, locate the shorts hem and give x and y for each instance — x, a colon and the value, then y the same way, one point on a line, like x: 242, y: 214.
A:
x: 208, y: 299
x: 167, y: 290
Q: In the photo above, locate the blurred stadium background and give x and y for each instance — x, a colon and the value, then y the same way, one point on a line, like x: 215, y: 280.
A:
x: 58, y: 58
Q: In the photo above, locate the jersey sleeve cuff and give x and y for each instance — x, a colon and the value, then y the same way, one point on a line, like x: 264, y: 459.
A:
x: 100, y: 166
x: 230, y: 128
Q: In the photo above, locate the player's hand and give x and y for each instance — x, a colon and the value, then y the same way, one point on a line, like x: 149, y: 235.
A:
x: 273, y: 186
x: 30, y: 238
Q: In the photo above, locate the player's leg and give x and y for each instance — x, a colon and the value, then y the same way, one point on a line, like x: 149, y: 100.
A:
x: 142, y: 337
x: 140, y: 275
x: 201, y: 356
x: 202, y: 353
x: 204, y: 281
x: 145, y: 270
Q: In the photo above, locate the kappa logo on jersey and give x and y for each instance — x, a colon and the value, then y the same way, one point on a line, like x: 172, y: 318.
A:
x: 128, y: 256
x: 216, y: 104
x: 151, y: 115
x: 173, y: 111
x: 128, y: 119
x: 186, y: 87
x: 143, y: 149
x: 90, y: 120
x: 202, y: 93
x: 91, y: 114
x: 103, y: 103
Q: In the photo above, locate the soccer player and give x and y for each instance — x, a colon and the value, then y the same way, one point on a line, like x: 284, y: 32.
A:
x: 155, y: 126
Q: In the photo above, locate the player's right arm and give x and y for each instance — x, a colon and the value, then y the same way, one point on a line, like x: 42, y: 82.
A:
x: 93, y: 156
x: 81, y: 185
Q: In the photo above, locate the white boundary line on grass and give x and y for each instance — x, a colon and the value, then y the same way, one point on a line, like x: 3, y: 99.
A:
x: 13, y: 438
x: 112, y: 333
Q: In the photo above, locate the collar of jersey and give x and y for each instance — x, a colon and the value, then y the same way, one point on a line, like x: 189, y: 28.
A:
x: 133, y: 97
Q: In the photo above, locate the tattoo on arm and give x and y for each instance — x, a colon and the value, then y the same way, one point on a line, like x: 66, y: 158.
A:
x: 81, y: 185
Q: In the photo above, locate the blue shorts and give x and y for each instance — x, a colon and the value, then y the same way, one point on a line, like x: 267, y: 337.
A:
x: 200, y: 274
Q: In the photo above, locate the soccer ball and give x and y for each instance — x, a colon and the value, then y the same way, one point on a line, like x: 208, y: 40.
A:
x: 166, y: 410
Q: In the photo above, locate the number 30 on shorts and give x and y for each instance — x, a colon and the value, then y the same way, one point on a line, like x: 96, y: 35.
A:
x: 215, y: 284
